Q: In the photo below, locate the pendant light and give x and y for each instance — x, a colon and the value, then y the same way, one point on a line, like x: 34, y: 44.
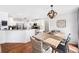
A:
x: 51, y: 14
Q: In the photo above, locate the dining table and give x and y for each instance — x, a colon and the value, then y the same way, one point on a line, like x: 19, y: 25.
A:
x: 50, y: 39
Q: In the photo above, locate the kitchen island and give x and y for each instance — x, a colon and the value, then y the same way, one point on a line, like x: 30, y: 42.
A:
x: 16, y: 36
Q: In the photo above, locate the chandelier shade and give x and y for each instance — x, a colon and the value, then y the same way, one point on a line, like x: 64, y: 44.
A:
x: 51, y: 14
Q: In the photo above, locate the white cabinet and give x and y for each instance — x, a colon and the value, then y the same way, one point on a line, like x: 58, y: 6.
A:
x: 3, y: 17
x: 2, y: 37
x: 16, y: 36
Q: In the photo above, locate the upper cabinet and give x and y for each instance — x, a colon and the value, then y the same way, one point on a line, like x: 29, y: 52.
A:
x: 3, y: 16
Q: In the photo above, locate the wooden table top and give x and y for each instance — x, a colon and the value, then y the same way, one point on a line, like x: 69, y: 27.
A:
x: 48, y: 38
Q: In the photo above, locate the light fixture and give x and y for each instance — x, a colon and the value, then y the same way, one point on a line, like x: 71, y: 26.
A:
x: 51, y: 14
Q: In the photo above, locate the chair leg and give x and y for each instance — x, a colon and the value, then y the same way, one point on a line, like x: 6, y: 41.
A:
x: 67, y: 49
x: 55, y: 51
x: 52, y: 51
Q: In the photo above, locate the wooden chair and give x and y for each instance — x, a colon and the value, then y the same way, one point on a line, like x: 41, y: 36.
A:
x: 40, y: 47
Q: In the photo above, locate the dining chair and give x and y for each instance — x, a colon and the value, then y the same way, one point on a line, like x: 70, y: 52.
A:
x: 40, y: 47
x: 63, y: 46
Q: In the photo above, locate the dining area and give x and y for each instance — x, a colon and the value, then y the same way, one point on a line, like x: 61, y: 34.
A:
x: 51, y: 42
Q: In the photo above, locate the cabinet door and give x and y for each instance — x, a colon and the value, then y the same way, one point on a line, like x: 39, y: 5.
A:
x: 16, y: 36
x: 2, y: 37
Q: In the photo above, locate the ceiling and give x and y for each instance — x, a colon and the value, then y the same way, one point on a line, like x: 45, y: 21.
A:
x: 36, y: 10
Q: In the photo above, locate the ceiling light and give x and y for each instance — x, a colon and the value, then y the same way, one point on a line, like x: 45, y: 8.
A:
x: 51, y: 14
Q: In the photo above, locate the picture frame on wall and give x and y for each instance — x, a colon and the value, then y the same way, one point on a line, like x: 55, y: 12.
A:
x: 61, y: 23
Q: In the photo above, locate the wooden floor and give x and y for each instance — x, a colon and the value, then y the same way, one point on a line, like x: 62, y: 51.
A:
x: 16, y: 47
x: 23, y: 48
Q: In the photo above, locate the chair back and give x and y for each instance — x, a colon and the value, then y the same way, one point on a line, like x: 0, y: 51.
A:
x: 66, y: 43
x: 36, y: 45
x: 68, y: 39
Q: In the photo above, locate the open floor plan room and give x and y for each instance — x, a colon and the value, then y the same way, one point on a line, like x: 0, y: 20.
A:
x: 39, y: 28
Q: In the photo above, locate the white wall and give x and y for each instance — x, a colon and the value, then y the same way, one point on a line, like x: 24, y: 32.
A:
x: 67, y: 12
x: 71, y: 25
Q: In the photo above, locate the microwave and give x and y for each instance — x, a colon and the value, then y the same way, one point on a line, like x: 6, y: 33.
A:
x: 4, y: 23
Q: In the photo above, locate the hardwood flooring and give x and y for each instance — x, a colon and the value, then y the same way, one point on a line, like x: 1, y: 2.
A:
x: 25, y: 48
x: 16, y: 47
